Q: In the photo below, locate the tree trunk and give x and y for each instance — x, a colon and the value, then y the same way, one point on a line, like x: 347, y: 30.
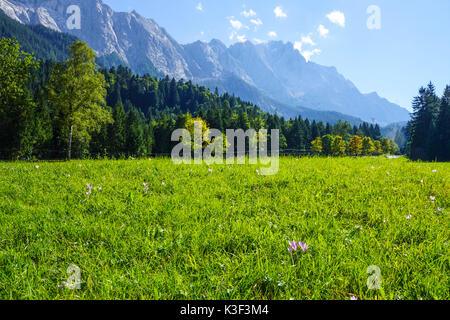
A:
x: 69, y: 149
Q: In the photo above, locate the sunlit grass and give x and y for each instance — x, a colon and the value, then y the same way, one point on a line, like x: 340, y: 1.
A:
x: 195, y: 234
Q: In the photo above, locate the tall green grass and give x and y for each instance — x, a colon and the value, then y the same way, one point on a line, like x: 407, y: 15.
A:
x: 224, y: 235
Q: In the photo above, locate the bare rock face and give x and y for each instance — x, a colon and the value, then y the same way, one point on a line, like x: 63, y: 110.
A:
x: 268, y: 74
x: 132, y: 37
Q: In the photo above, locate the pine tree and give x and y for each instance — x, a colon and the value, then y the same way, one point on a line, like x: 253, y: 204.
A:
x: 135, y: 143
x: 328, y: 129
x: 117, y: 131
x: 443, y: 127
x: 242, y: 121
x: 423, y: 125
x: 315, y: 131
x: 327, y: 144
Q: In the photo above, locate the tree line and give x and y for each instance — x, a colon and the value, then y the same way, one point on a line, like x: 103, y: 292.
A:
x: 57, y: 110
x: 337, y: 146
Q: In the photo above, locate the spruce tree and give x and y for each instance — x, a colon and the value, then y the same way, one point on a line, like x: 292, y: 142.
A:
x: 443, y: 127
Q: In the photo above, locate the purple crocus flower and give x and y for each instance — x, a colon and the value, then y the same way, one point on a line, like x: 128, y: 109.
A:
x: 293, y: 246
x: 353, y: 298
x: 304, y: 246
x: 89, y: 189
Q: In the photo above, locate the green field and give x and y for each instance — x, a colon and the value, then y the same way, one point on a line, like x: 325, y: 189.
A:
x: 196, y: 234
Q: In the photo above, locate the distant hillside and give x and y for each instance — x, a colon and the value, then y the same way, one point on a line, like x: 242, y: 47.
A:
x: 396, y: 132
x: 46, y: 44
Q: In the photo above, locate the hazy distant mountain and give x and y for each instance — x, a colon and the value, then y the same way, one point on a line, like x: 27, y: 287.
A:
x: 273, y: 75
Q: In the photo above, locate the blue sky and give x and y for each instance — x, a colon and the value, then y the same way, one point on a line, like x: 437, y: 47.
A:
x: 411, y: 47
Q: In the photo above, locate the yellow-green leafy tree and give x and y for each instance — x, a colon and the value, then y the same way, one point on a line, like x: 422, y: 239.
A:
x: 386, y: 146
x: 338, y: 147
x: 191, y: 125
x: 378, y: 147
x: 355, y: 146
x: 368, y: 148
x: 316, y: 146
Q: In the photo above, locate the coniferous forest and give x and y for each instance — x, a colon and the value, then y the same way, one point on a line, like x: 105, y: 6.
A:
x: 429, y: 128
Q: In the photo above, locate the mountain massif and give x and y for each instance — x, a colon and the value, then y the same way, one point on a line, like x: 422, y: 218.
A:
x: 273, y: 75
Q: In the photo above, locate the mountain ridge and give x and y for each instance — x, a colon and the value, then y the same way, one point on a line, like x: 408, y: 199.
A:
x: 284, y: 81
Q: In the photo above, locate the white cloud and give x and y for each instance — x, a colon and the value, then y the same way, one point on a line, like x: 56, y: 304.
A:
x: 249, y: 13
x: 323, y: 31
x: 199, y: 7
x: 279, y: 13
x: 259, y: 41
x: 307, y: 40
x: 337, y: 17
x: 232, y: 35
x: 272, y: 34
x: 308, y: 54
x: 256, y: 22
x: 298, y: 46
x: 236, y: 24
x: 241, y: 38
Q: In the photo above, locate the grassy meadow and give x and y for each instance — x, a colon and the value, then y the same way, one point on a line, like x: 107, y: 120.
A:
x: 196, y: 234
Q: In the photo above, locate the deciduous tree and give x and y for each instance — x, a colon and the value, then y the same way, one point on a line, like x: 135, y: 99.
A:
x: 78, y: 92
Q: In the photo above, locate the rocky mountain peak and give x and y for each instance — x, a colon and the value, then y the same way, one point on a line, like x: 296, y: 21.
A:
x: 274, y: 71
